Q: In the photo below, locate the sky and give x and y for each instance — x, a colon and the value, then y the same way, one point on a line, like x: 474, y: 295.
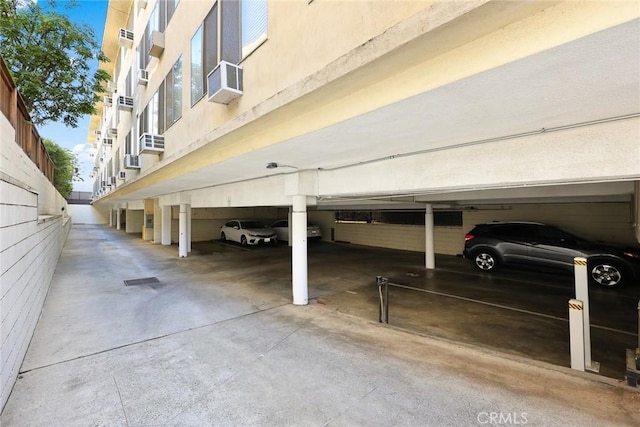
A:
x: 92, y: 13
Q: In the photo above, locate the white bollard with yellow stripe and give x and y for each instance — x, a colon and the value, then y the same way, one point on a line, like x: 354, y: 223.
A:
x: 576, y: 334
x: 582, y: 294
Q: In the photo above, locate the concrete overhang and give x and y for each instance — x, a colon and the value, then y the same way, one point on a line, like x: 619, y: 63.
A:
x: 593, y: 77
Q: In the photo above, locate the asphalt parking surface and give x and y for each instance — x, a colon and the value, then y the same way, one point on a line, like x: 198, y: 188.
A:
x: 517, y: 311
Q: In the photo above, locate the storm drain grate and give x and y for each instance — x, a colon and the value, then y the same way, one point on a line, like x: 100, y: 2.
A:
x: 143, y: 281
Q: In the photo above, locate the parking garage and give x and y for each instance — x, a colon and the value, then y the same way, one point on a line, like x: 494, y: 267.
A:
x: 415, y: 172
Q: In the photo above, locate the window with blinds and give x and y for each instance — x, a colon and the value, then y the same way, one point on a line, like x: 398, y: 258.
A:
x: 254, y: 25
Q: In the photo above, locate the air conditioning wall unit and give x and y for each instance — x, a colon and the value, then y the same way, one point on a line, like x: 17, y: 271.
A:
x: 122, y: 175
x: 131, y: 161
x: 112, y: 180
x: 112, y: 132
x: 107, y: 141
x: 125, y: 38
x: 143, y: 77
x: 112, y: 87
x: 156, y: 44
x: 224, y: 83
x: 104, y: 184
x: 125, y: 103
x: 151, y: 143
x: 97, y: 132
x: 107, y: 101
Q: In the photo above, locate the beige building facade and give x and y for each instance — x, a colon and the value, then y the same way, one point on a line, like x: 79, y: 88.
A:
x: 484, y: 110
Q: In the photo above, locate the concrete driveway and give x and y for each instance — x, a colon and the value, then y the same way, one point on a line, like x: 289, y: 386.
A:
x: 216, y: 342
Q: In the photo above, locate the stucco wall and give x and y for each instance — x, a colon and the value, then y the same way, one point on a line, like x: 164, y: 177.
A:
x: 609, y: 222
x: 33, y: 229
x: 134, y: 221
x: 89, y: 214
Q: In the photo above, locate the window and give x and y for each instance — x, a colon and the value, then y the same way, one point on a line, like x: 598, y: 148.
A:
x: 117, y: 161
x: 171, y: 95
x: 166, y: 105
x: 440, y: 218
x: 254, y: 25
x: 197, y: 71
x: 176, y: 100
x: 150, y: 121
x: 158, y: 21
x: 243, y: 27
x: 128, y: 147
x: 210, y: 41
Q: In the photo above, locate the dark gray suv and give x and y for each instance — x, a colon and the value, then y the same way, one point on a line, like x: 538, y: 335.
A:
x: 489, y: 245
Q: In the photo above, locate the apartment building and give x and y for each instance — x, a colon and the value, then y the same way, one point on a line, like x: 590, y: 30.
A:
x: 423, y: 117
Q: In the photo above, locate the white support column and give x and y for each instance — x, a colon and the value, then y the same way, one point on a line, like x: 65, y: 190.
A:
x: 118, y: 218
x: 182, y: 242
x: 188, y: 228
x: 289, y: 229
x: 166, y: 226
x: 298, y: 225
x: 429, y: 255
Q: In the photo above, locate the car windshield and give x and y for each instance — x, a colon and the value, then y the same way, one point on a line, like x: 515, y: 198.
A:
x: 251, y: 224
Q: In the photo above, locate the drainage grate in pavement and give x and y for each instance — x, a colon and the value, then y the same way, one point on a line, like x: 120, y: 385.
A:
x: 143, y: 281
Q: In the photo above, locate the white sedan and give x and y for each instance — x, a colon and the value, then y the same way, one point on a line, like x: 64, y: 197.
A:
x: 281, y: 227
x: 247, y: 232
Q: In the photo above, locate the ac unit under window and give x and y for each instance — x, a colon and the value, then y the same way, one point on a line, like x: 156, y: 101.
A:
x: 104, y: 184
x: 156, y: 44
x: 125, y: 103
x: 122, y: 175
x: 143, y: 77
x: 112, y: 180
x: 151, y: 143
x: 107, y: 141
x: 125, y: 38
x: 131, y: 161
x: 113, y: 132
x: 97, y: 132
x: 224, y: 83
x: 107, y: 101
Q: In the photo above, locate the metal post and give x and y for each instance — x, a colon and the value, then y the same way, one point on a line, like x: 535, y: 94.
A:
x: 639, y: 324
x: 386, y: 300
x: 380, y: 295
x: 383, y: 293
x: 638, y: 348
x: 576, y: 334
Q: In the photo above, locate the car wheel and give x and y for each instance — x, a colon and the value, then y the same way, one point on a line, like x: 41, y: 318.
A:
x: 606, y: 273
x: 243, y: 241
x: 485, y: 260
x: 223, y: 236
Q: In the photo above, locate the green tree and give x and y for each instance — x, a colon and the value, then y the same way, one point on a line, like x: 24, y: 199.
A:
x: 65, y: 167
x: 50, y: 58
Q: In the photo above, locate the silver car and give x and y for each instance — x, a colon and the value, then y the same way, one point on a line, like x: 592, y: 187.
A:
x: 247, y: 232
x: 281, y: 227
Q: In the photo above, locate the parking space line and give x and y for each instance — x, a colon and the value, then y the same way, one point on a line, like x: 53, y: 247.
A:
x: 506, y: 307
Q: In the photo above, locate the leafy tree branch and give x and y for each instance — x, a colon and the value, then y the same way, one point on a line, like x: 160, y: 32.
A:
x: 50, y: 58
